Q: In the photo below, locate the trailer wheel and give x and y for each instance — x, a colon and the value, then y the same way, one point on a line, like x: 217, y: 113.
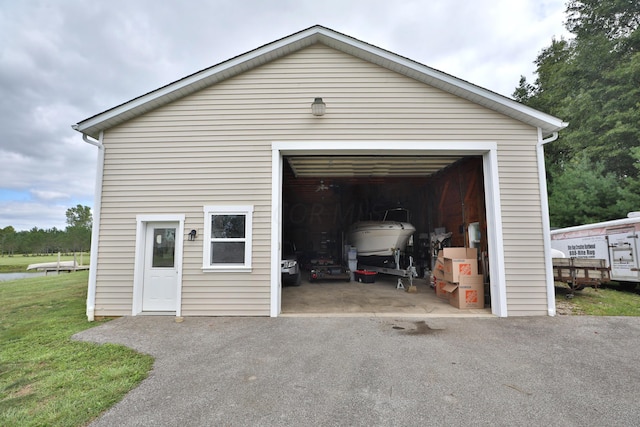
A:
x: 575, y: 287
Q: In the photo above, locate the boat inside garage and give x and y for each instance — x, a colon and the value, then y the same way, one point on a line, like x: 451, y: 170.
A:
x: 323, y: 196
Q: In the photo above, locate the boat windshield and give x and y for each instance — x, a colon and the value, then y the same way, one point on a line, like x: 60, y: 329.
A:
x: 398, y: 215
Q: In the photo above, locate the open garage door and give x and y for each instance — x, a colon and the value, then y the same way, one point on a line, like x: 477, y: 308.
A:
x: 322, y: 192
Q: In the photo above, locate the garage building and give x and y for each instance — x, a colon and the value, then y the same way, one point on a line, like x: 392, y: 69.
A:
x: 200, y: 181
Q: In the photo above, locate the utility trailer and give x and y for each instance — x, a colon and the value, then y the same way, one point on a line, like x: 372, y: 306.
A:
x: 614, y: 242
x: 579, y: 272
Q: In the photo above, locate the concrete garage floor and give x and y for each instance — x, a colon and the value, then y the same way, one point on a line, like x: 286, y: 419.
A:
x: 337, y: 298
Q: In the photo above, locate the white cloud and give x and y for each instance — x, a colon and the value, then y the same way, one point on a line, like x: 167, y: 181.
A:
x: 64, y: 61
x: 50, y: 195
x: 27, y: 215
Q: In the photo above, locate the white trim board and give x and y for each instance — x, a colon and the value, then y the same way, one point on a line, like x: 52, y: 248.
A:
x: 487, y: 149
x: 138, y: 272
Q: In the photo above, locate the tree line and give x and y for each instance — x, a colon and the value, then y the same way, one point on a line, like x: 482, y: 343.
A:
x: 76, y: 237
x: 592, y: 81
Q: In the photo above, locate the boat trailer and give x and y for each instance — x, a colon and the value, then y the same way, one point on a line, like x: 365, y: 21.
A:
x: 410, y: 272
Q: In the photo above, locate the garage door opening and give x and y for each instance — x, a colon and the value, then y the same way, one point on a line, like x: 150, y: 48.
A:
x: 450, y: 188
x: 323, y: 196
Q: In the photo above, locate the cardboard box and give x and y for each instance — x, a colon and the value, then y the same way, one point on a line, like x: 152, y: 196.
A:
x: 459, y: 262
x: 439, y: 264
x: 439, y: 283
x: 458, y: 253
x: 469, y: 293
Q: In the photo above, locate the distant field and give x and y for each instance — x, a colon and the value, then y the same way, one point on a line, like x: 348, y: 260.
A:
x: 19, y: 263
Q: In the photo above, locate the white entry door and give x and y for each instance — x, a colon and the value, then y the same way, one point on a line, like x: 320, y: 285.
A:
x: 160, y: 282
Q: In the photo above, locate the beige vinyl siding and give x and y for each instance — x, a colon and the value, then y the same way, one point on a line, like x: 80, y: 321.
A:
x: 214, y: 148
x: 522, y: 230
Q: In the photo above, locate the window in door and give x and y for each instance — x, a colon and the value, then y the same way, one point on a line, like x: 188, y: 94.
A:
x: 164, y: 247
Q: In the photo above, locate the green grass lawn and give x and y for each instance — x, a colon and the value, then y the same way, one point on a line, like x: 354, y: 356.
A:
x: 47, y: 379
x: 19, y: 263
x: 606, y: 301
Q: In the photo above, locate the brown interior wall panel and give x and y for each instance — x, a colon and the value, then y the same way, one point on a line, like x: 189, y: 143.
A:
x: 458, y: 197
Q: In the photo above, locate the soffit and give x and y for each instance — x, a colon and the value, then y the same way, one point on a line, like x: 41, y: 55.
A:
x: 368, y: 166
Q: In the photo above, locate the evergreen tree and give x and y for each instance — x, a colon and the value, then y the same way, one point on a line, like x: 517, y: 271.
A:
x: 592, y: 82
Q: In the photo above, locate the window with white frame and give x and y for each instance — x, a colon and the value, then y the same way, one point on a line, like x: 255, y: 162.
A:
x: 227, y: 238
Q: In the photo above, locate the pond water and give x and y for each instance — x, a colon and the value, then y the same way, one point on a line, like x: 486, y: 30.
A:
x: 14, y: 276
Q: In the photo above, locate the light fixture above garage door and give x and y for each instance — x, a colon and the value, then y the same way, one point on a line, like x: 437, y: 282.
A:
x: 371, y: 166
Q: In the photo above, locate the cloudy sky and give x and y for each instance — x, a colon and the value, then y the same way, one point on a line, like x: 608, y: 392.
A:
x: 62, y: 61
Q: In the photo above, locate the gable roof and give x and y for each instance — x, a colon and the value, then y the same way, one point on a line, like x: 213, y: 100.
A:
x: 295, y: 42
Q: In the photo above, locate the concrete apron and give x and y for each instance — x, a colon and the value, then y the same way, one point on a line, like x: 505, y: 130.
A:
x: 337, y: 298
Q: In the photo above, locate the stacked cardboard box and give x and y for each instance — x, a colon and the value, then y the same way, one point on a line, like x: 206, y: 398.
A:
x: 456, y: 278
x: 438, y: 278
x: 468, y: 293
x: 439, y: 284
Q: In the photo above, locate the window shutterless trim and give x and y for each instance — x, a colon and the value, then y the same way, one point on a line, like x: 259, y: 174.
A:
x: 209, y: 211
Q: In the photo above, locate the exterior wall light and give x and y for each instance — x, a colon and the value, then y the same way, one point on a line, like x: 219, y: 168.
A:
x: 318, y: 107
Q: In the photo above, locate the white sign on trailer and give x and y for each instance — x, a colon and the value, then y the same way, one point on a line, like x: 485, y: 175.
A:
x: 614, y: 241
x: 582, y: 247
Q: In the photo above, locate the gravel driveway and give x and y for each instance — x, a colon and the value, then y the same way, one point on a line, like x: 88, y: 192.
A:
x: 560, y: 371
